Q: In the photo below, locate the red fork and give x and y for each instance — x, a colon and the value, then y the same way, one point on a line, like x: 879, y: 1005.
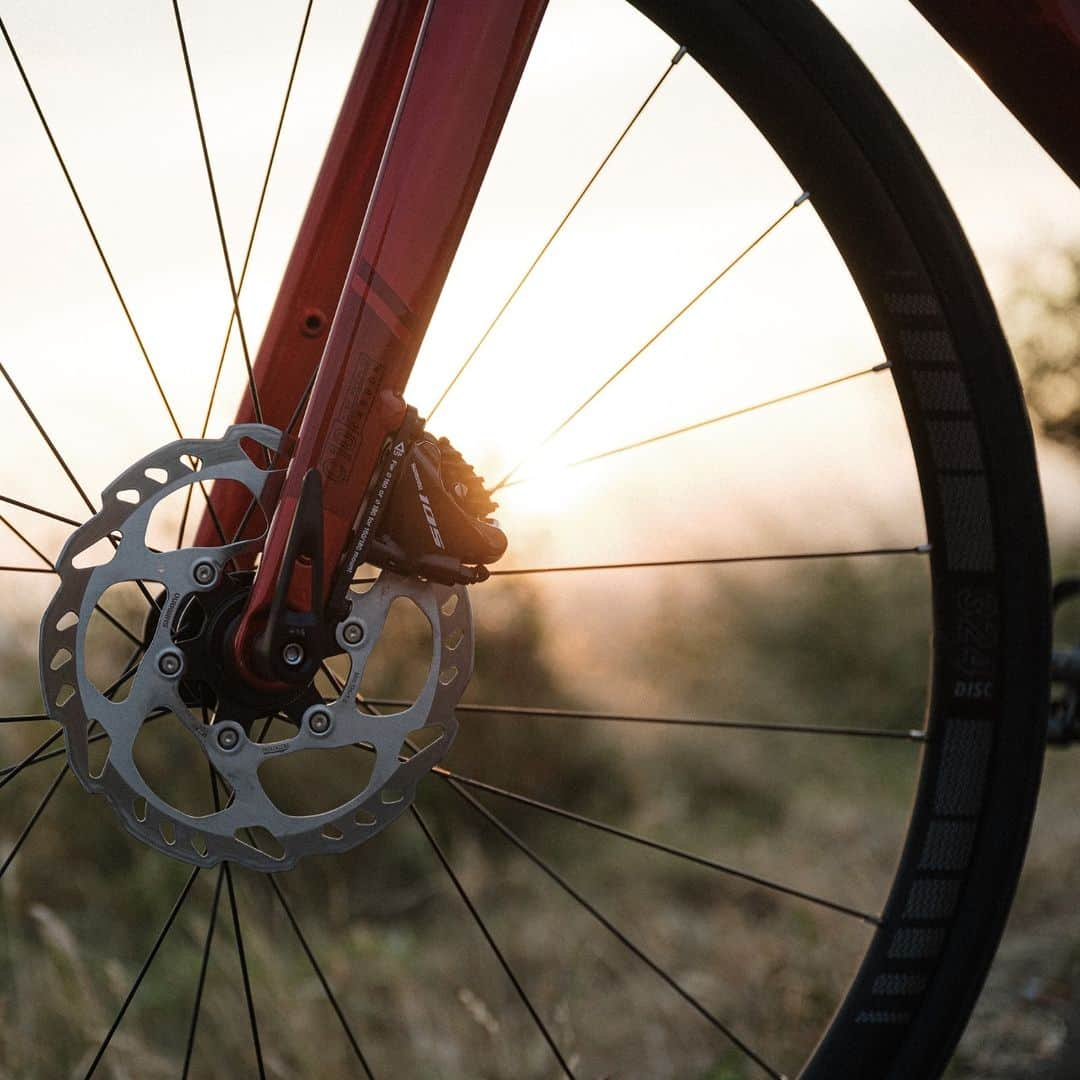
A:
x: 462, y: 71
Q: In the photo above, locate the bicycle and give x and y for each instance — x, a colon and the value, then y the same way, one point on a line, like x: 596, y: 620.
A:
x: 327, y: 471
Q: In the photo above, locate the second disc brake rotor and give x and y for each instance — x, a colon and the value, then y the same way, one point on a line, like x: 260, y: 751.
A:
x: 157, y: 685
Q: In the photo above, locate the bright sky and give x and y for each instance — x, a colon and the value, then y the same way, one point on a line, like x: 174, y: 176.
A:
x: 691, y: 187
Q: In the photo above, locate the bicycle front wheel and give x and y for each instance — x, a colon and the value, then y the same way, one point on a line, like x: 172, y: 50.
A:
x: 980, y: 536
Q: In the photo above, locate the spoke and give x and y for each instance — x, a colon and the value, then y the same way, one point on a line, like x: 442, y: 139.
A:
x: 97, y: 607
x: 50, y: 568
x: 458, y: 784
x: 244, y: 975
x: 775, y: 224
x: 657, y: 845
x: 27, y: 542
x: 36, y: 757
x: 744, y: 411
x: 558, y: 229
x: 56, y: 454
x: 162, y: 934
x: 92, y: 232
x: 238, y: 937
x: 40, y: 759
x: 293, y: 420
x: 604, y: 921
x: 38, y: 510
x: 101, y: 255
x: 541, y: 712
x: 24, y: 718
x: 204, y: 964
x: 725, y: 560
x: 12, y: 771
x: 251, y: 241
x: 315, y: 966
x: 298, y: 410
x: 46, y: 799
x: 61, y: 461
x: 234, y: 291
x: 335, y: 682
x: 114, y: 621
x: 259, y: 209
x: 467, y: 900
x: 290, y: 427
x: 26, y: 570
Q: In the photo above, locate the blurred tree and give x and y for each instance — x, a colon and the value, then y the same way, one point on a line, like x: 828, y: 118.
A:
x: 1043, y: 315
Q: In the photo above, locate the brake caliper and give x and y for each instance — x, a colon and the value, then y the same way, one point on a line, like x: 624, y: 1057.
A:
x: 428, y: 514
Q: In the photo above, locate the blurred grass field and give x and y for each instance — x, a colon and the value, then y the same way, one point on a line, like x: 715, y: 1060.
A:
x: 83, y: 902
x: 845, y: 644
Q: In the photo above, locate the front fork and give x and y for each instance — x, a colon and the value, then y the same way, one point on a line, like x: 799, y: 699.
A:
x: 458, y: 64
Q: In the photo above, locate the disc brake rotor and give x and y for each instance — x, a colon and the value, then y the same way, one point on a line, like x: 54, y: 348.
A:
x: 157, y: 685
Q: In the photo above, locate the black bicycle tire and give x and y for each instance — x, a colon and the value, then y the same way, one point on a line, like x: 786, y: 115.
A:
x: 804, y: 87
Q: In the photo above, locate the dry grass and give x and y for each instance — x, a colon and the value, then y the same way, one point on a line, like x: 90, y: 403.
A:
x: 412, y: 971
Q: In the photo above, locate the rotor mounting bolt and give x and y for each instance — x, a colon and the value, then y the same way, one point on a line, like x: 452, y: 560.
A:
x: 204, y: 573
x: 293, y: 654
x: 353, y: 633
x: 319, y: 722
x: 228, y: 738
x: 170, y: 663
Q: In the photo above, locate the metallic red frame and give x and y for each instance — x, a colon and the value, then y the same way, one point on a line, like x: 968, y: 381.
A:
x: 458, y: 64
x: 1028, y: 53
x: 297, y: 329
